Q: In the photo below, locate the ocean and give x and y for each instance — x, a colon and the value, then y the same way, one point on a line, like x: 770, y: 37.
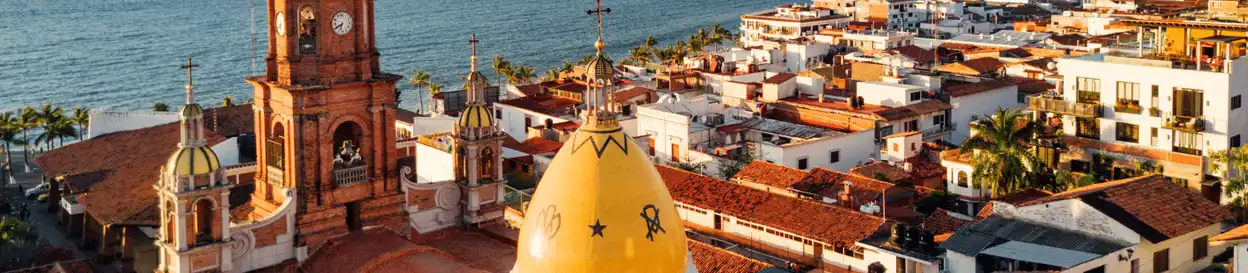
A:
x: 125, y: 54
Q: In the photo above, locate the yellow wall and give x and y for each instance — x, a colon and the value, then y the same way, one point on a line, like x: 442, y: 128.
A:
x: 1174, y: 38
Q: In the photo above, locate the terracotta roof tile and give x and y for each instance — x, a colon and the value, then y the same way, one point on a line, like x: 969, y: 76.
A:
x: 779, y: 78
x: 535, y: 145
x: 708, y: 258
x: 830, y: 183
x: 1238, y: 233
x: 128, y: 164
x: 380, y: 250
x: 1152, y: 206
x: 893, y: 173
x: 628, y: 94
x: 939, y: 222
x: 973, y: 67
x: 543, y: 103
x: 824, y: 223
x: 912, y: 110
x: 771, y: 174
x: 960, y: 88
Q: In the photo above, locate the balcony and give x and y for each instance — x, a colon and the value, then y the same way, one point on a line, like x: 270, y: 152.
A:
x: 350, y: 175
x: 1128, y: 106
x: 1057, y: 105
x: 1183, y: 123
x: 939, y: 131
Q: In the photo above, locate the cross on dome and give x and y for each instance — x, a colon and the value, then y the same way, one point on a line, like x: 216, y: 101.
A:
x: 190, y: 80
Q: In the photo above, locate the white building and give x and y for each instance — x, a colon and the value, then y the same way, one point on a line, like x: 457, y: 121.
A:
x: 1102, y: 228
x: 787, y: 22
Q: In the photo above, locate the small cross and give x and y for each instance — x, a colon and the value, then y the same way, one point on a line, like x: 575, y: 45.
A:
x: 473, y: 42
x: 598, y: 11
x: 190, y: 80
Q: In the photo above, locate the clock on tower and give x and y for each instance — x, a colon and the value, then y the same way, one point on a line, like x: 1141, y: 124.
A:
x: 325, y: 120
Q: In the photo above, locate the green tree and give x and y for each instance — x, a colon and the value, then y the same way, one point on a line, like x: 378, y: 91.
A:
x: 733, y: 164
x: 227, y: 101
x: 82, y: 118
x: 14, y: 233
x: 551, y: 75
x: 521, y: 75
x: 434, y: 89
x: 27, y: 120
x: 419, y: 81
x: 160, y: 107
x: 567, y: 67
x: 719, y: 35
x: 8, y: 137
x: 1002, y: 162
x: 500, y: 67
x: 1234, y: 161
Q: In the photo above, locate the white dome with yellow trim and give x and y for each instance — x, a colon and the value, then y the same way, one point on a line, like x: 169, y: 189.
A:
x: 193, y: 161
x: 476, y: 116
x: 601, y: 207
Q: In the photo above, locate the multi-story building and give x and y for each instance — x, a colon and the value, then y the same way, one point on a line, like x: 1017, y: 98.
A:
x: 787, y: 22
x: 890, y: 14
x: 1167, y: 108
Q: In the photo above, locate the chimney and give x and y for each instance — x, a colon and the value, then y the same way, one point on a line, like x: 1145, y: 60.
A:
x: 846, y: 195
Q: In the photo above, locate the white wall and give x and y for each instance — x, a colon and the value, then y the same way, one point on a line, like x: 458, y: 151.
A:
x: 227, y: 152
x: 855, y: 149
x: 980, y: 105
x: 666, y: 129
x: 429, y: 125
x: 810, y: 85
x: 103, y: 122
x: 512, y: 120
x: 433, y: 165
x: 886, y: 94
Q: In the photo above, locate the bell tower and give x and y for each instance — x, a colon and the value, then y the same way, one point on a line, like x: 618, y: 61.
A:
x: 478, y: 152
x: 325, y: 122
x: 194, y: 199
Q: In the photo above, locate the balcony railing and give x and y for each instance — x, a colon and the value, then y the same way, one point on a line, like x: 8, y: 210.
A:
x: 1057, y: 105
x: 1190, y: 151
x: 1130, y: 107
x: 1183, y: 123
x: 350, y: 175
x: 939, y: 130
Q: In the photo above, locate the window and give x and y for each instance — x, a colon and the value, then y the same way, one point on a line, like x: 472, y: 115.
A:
x: 962, y: 179
x: 1189, y: 102
x: 834, y: 156
x: 1161, y: 261
x: 895, y: 149
x: 498, y: 113
x: 1152, y: 137
x: 1088, y: 128
x: 1235, y: 141
x: 1128, y: 98
x: 801, y: 163
x: 1127, y: 132
x: 1099, y: 269
x: 915, y: 96
x: 1236, y: 102
x: 1200, y: 248
x: 1186, y: 142
x: 1088, y: 90
x: 1135, y: 266
x: 528, y: 121
x: 938, y: 119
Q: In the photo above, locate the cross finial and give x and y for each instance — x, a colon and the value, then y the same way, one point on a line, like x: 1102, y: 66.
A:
x: 190, y: 80
x: 598, y: 11
x: 473, y: 42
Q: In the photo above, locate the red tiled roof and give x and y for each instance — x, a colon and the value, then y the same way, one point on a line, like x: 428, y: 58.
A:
x: 1032, y: 86
x: 902, y: 134
x: 628, y: 94
x: 1238, y: 233
x: 571, y: 86
x: 940, y: 222
x: 536, y: 145
x: 973, y: 67
x: 380, y: 250
x: 128, y: 163
x: 543, y: 103
x: 1152, y: 206
x: 824, y: 223
x: 405, y: 116
x: 1023, y: 196
x: 771, y: 174
x: 779, y: 78
x: 912, y: 110
x: 960, y: 88
x: 529, y: 90
x: 830, y: 183
x: 708, y: 258
x: 893, y: 173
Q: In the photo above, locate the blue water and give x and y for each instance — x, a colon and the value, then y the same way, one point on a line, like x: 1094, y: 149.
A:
x: 125, y: 54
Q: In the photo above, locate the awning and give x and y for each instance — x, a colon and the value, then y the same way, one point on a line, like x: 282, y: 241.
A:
x: 1040, y: 254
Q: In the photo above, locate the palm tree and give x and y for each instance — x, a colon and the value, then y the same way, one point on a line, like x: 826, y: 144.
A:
x: 434, y: 89
x: 639, y: 55
x: 420, y: 80
x: 1235, y: 160
x: 719, y: 35
x: 26, y: 120
x: 49, y: 117
x: 500, y: 66
x: 521, y: 75
x: 650, y: 42
x: 82, y: 118
x: 567, y: 67
x: 160, y: 107
x: 586, y: 59
x: 551, y: 75
x: 8, y: 137
x: 227, y: 101
x: 1002, y: 160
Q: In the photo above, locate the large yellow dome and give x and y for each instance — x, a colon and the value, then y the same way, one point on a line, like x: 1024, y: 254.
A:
x: 476, y: 116
x: 193, y: 161
x: 601, y: 207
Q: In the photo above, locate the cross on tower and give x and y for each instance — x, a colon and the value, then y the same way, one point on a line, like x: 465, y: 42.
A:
x: 598, y: 11
x: 190, y: 80
x: 473, y: 42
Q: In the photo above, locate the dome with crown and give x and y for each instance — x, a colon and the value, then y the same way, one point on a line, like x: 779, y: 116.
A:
x: 476, y: 116
x: 192, y: 161
x: 600, y: 66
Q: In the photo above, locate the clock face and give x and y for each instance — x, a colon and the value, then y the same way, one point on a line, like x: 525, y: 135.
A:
x: 280, y: 24
x: 342, y: 23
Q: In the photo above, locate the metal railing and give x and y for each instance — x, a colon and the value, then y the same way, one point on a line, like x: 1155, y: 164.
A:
x: 1057, y: 105
x: 939, y: 130
x: 350, y: 175
x: 517, y: 199
x: 1183, y: 123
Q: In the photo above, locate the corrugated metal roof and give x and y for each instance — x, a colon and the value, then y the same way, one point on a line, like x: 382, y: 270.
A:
x: 788, y: 129
x: 972, y: 239
x: 1058, y: 257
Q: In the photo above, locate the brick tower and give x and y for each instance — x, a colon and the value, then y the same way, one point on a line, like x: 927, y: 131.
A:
x: 325, y: 118
x: 478, y: 152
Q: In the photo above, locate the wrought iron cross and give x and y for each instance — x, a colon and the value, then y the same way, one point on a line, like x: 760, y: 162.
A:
x: 190, y: 79
x: 598, y: 11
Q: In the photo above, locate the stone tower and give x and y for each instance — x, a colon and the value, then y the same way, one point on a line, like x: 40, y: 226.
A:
x: 194, y: 199
x: 478, y: 152
x: 325, y: 118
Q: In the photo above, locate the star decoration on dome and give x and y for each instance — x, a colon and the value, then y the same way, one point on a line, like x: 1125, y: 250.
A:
x: 597, y: 227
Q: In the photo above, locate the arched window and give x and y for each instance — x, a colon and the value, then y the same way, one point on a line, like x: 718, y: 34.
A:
x: 962, y: 180
x: 348, y: 149
x: 486, y: 168
x: 307, y: 30
x: 203, y: 221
